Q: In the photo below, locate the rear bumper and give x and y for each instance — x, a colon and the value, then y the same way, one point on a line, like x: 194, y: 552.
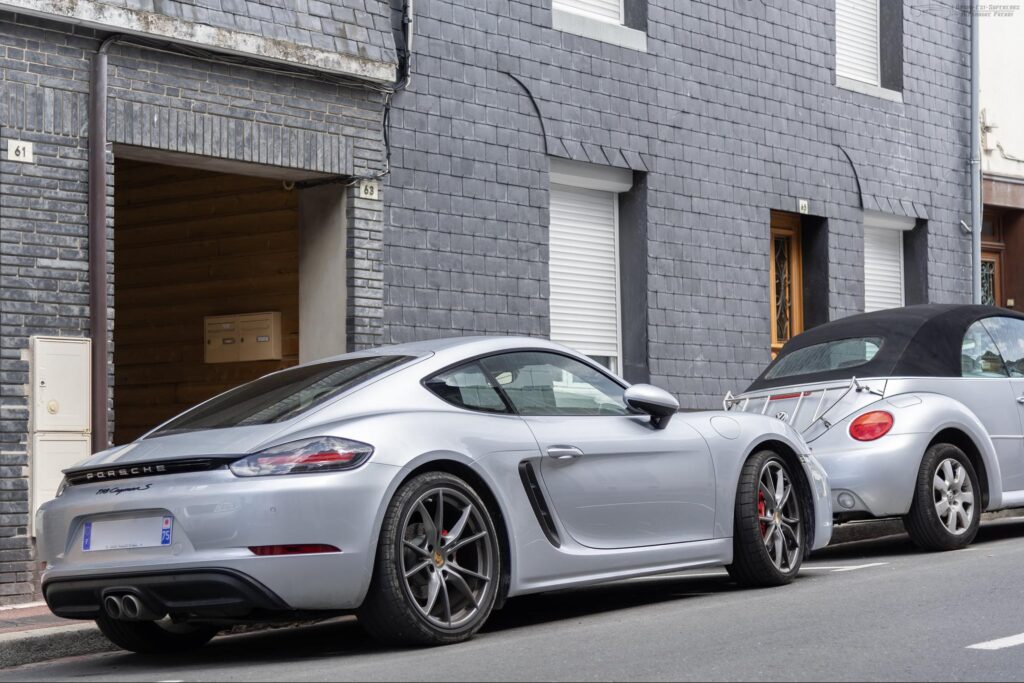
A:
x: 203, y: 594
x: 217, y: 518
x: 879, y: 477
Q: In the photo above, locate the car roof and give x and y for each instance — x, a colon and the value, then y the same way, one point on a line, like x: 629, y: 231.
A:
x: 918, y: 341
x: 451, y: 349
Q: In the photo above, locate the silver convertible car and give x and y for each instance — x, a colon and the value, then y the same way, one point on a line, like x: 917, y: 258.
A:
x: 915, y: 412
x: 420, y: 486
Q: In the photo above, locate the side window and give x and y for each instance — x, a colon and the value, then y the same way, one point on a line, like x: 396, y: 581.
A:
x: 467, y: 387
x: 539, y: 383
x: 979, y: 356
x: 1009, y: 336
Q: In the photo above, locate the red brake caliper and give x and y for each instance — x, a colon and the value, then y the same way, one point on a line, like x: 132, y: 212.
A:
x: 761, y: 508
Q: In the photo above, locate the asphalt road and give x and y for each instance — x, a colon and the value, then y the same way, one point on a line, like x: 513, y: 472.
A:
x: 870, y: 610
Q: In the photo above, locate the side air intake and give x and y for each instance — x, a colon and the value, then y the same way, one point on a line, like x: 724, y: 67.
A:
x: 540, y: 506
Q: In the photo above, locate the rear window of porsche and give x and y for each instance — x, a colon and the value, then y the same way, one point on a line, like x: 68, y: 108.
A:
x: 827, y: 357
x: 282, y: 395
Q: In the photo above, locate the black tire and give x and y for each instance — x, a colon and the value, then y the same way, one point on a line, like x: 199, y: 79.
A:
x: 150, y: 638
x: 923, y: 522
x: 391, y: 611
x: 753, y: 565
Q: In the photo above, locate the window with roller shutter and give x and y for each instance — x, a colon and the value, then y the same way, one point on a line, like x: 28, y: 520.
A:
x: 884, y: 263
x: 584, y: 272
x: 606, y: 10
x: 869, y: 43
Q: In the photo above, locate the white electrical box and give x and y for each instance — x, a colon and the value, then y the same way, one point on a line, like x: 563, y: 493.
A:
x: 60, y: 371
x: 243, y: 337
x: 52, y: 453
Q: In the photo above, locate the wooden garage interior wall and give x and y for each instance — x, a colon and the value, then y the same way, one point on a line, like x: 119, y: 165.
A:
x: 190, y: 243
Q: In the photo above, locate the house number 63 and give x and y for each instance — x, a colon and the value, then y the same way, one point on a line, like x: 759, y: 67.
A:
x: 369, y: 189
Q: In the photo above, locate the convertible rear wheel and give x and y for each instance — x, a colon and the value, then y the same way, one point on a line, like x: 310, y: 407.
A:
x: 438, y: 563
x: 768, y: 540
x: 946, y: 511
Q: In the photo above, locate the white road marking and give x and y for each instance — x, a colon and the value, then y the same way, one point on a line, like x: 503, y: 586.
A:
x: 1000, y: 644
x: 842, y: 568
x: 859, y: 566
x: 722, y: 574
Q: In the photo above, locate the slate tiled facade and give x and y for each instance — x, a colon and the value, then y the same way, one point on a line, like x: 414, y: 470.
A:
x: 731, y: 112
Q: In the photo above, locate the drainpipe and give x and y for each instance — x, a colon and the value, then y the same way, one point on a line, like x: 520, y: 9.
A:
x: 98, y: 319
x: 976, y: 215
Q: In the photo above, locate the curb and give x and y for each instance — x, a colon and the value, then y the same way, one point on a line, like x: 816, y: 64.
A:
x: 40, y: 645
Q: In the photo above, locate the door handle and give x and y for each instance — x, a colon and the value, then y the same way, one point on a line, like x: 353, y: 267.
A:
x: 1021, y: 400
x: 564, y: 452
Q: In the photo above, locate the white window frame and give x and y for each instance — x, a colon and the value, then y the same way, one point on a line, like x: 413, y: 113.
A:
x: 616, y: 181
x: 578, y: 21
x: 900, y: 224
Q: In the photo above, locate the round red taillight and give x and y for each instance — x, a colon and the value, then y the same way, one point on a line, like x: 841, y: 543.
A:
x: 871, y: 426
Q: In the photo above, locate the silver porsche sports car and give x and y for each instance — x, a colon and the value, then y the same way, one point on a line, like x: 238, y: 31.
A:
x: 915, y: 412
x: 419, y: 486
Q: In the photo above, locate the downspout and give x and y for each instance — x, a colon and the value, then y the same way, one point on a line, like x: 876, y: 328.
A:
x: 98, y: 319
x: 975, y: 166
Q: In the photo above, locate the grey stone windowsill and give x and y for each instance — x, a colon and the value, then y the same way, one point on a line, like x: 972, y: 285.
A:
x: 869, y: 89
x: 604, y: 31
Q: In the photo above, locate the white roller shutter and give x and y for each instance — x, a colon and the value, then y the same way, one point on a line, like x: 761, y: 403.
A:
x: 607, y: 10
x: 857, y: 40
x: 883, y: 268
x: 584, y: 271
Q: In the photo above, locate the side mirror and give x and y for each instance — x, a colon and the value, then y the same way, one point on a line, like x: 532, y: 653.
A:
x: 657, y: 403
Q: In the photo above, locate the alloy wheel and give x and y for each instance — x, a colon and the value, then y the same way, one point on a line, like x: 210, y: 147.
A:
x: 953, y: 496
x: 778, y: 510
x: 448, y: 558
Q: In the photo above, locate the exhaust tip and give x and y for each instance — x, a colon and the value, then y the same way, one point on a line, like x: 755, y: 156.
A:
x: 113, y: 606
x: 131, y: 607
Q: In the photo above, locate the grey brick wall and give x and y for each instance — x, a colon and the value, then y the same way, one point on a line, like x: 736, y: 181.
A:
x: 733, y: 112
x: 160, y: 101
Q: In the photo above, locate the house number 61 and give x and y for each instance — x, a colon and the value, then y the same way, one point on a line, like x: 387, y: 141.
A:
x: 19, y: 151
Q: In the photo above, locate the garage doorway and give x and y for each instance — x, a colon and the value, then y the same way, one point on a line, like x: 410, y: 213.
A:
x: 191, y: 243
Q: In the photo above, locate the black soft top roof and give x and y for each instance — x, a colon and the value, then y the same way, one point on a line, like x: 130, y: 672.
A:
x: 919, y: 341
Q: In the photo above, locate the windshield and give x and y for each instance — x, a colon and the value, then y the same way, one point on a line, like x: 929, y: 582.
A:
x: 282, y: 395
x: 827, y: 357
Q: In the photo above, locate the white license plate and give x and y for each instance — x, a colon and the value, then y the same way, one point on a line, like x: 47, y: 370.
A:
x: 121, y: 534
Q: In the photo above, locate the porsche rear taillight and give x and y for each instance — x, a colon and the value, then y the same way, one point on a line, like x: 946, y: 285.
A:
x: 872, y: 426
x: 321, y: 454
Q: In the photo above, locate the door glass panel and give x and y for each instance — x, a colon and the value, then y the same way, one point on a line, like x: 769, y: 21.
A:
x: 988, y: 283
x: 1009, y: 336
x: 783, y: 289
x: 540, y: 383
x: 979, y: 356
x: 467, y: 387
